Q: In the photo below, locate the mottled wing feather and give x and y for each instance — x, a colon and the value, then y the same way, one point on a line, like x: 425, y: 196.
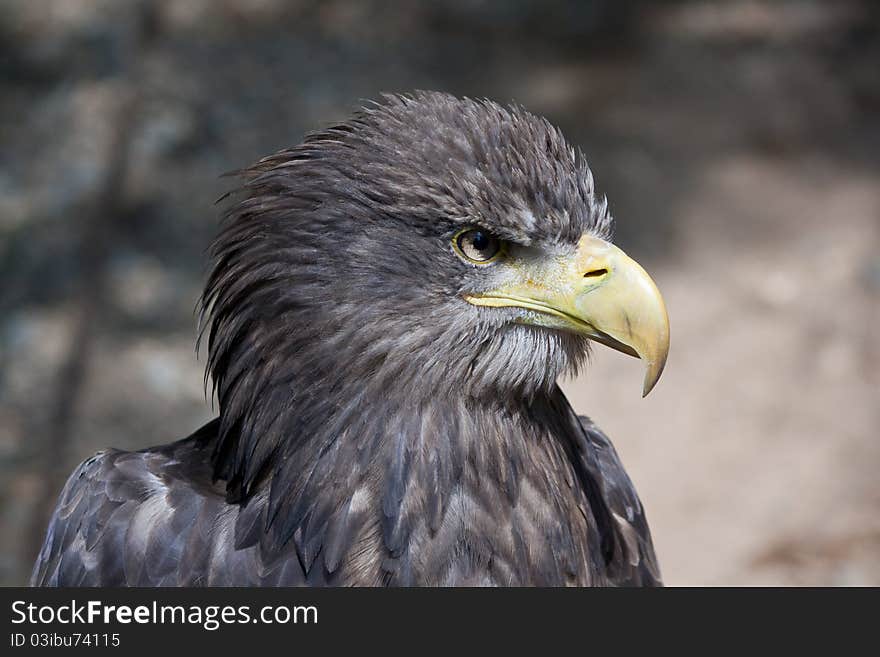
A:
x: 152, y: 518
x: 633, y: 562
x: 155, y: 518
x: 85, y: 508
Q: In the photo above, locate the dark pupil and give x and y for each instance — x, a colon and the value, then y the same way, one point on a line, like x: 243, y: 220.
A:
x: 480, y: 241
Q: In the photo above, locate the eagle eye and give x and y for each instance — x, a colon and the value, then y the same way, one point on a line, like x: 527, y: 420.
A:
x: 478, y: 246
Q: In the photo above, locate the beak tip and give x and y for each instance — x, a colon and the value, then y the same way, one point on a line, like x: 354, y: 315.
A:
x: 652, y: 376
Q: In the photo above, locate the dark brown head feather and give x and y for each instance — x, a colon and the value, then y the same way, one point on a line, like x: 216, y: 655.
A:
x: 333, y: 285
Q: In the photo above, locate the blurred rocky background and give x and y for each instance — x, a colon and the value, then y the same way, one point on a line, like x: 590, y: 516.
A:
x: 739, y: 145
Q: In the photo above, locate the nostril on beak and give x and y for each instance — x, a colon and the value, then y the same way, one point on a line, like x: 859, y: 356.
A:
x: 596, y: 273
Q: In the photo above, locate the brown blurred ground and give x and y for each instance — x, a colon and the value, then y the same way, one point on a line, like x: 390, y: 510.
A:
x: 739, y: 145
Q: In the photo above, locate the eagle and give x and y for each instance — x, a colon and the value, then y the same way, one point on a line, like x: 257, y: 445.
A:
x: 388, y: 308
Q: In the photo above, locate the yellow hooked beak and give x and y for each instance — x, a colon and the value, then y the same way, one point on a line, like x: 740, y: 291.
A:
x: 599, y: 292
